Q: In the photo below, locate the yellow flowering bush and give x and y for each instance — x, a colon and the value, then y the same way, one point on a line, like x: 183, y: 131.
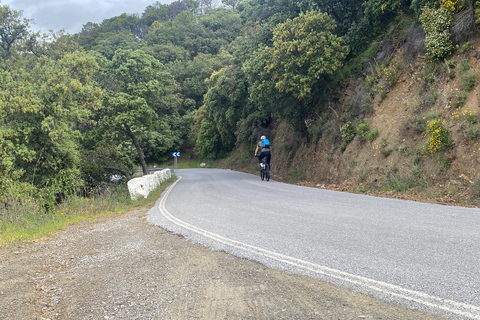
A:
x: 467, y: 115
x: 438, y: 136
x: 451, y: 5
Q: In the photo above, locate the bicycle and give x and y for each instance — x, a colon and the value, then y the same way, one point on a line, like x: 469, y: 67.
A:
x: 264, y: 169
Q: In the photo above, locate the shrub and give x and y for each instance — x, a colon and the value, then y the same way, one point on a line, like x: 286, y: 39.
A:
x: 390, y: 73
x: 464, y: 65
x: 383, y: 149
x: 208, y: 144
x: 371, y: 135
x: 361, y: 101
x: 393, y: 182
x: 458, y: 99
x: 467, y: 46
x: 436, y: 23
x: 469, y: 124
x: 439, y: 137
x: 348, y: 132
x: 382, y: 77
x: 418, y: 124
x: 468, y: 80
x: 452, y: 6
x: 366, y: 131
x: 450, y: 68
x: 471, y: 131
x: 475, y: 190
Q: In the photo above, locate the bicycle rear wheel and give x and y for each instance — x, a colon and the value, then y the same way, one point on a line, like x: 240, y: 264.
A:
x: 267, y: 172
x: 262, y: 174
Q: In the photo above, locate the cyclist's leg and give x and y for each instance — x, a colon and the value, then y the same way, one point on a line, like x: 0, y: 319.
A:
x: 260, y: 158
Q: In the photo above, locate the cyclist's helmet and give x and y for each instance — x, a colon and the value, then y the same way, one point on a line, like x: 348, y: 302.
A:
x: 263, y: 138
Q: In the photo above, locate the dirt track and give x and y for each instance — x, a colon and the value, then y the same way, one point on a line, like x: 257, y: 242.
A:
x: 125, y: 268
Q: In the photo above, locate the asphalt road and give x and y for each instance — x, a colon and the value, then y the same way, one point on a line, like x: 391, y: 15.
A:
x: 423, y: 256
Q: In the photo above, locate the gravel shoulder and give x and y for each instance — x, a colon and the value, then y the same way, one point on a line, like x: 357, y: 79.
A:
x: 125, y: 268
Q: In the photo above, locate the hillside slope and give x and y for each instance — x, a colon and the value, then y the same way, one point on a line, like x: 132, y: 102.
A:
x: 396, y: 160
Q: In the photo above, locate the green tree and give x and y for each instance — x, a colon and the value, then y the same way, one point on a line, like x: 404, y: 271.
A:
x: 13, y: 30
x: 223, y: 107
x: 261, y: 87
x: 155, y: 12
x: 168, y: 52
x: 345, y: 12
x: 176, y: 8
x: 123, y: 40
x: 304, y: 50
x: 121, y: 23
x: 225, y: 24
x: 186, y: 32
x: 264, y: 10
x: 208, y: 144
x: 140, y: 94
x: 191, y: 75
x: 231, y: 3
x: 43, y: 105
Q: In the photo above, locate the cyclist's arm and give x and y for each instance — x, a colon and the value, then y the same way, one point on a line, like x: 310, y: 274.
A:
x: 256, y: 150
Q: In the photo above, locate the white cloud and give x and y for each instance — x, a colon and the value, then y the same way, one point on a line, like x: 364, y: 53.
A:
x: 73, y: 14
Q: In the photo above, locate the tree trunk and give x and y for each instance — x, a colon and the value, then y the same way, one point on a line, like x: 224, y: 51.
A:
x: 136, y: 143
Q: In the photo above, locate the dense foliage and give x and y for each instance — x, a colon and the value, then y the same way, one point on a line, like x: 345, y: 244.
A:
x: 78, y: 109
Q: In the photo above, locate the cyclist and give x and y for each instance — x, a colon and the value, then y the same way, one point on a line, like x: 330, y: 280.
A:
x: 264, y: 146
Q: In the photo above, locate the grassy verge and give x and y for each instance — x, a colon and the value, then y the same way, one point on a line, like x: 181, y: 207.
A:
x: 22, y: 222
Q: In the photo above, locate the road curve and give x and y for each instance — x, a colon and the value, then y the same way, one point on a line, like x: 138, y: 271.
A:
x: 421, y: 255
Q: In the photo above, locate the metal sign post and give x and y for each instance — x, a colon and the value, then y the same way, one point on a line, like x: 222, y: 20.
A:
x: 175, y: 155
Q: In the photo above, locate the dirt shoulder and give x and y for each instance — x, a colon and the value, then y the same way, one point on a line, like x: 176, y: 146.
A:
x: 126, y: 268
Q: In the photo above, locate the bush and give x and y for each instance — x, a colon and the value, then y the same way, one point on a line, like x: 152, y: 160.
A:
x: 348, y: 132
x: 469, y: 123
x: 418, y: 124
x: 468, y: 80
x: 208, y: 144
x: 471, y: 131
x: 383, y: 148
x: 464, y: 65
x: 439, y: 137
x: 366, y: 131
x: 475, y: 190
x: 395, y: 183
x: 436, y: 23
x: 361, y: 101
x: 458, y: 99
x: 466, y: 47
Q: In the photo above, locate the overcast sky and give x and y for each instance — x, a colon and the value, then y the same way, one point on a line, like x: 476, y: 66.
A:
x: 73, y: 14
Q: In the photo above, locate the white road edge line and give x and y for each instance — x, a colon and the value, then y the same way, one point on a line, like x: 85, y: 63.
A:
x: 454, y: 307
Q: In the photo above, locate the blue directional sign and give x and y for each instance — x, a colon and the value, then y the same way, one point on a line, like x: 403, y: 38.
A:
x: 175, y: 154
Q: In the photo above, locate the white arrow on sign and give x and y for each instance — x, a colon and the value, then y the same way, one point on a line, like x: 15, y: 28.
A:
x: 175, y: 154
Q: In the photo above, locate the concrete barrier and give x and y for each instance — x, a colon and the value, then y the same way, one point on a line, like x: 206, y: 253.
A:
x: 141, y: 187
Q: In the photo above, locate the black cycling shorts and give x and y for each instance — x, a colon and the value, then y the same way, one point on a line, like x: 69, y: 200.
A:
x: 266, y: 155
